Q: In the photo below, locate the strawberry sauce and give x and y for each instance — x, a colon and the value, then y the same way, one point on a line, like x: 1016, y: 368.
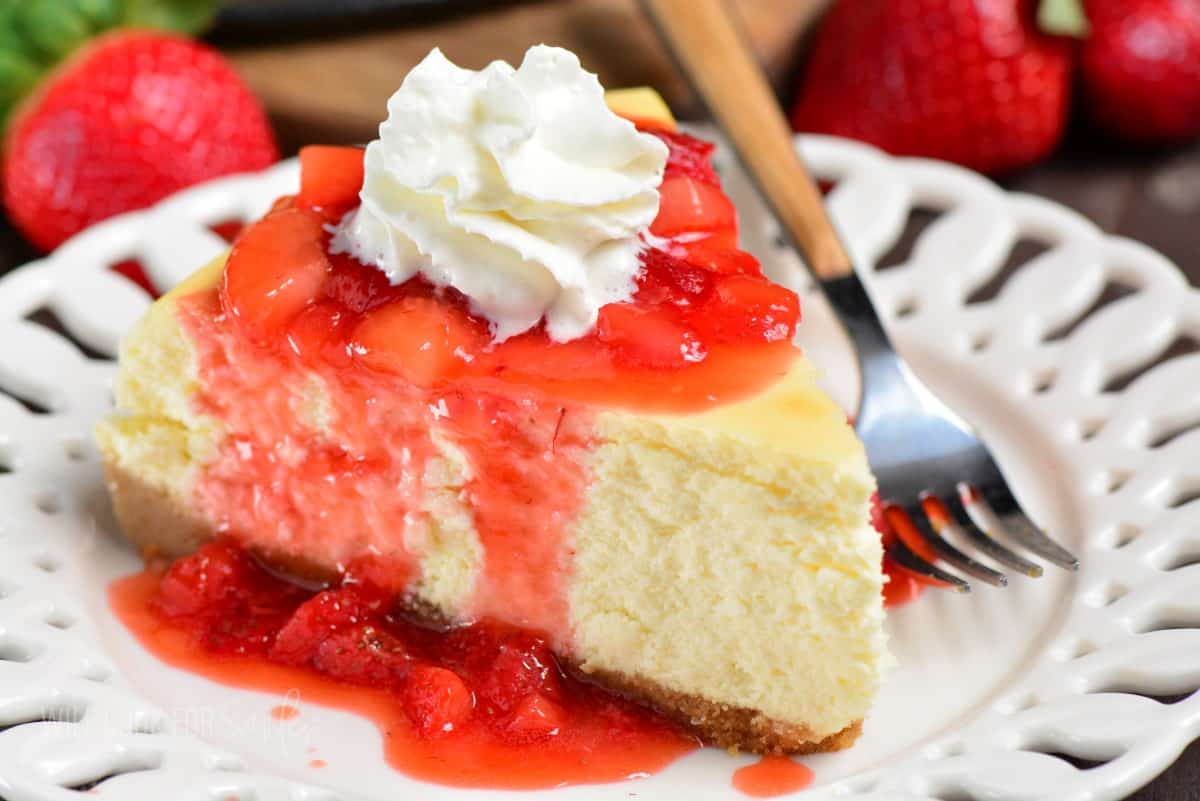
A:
x: 772, y: 776
x: 484, y: 705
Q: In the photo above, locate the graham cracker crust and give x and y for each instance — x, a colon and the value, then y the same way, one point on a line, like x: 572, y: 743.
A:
x: 723, y: 725
x: 160, y: 526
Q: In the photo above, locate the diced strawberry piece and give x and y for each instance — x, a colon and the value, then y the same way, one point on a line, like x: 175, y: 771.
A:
x: 523, y: 664
x: 436, y: 700
x: 317, y: 334
x: 722, y: 260
x: 330, y: 177
x: 689, y: 206
x: 747, y: 309
x: 668, y: 279
x: 211, y: 578
x: 647, y: 337
x: 362, y: 653
x: 275, y: 269
x: 320, y: 617
x: 688, y: 156
x: 420, y: 339
x: 357, y: 286
x: 228, y: 601
x: 535, y: 718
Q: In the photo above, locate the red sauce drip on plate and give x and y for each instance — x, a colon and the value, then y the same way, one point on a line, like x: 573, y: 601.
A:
x: 285, y: 712
x: 772, y: 776
x: 485, y: 705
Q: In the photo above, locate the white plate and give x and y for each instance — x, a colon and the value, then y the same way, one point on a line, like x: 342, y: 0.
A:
x: 989, y: 686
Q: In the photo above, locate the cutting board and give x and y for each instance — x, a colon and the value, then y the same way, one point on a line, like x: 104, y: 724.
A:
x: 334, y: 88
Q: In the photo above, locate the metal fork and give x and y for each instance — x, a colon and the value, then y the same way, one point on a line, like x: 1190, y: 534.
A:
x: 938, y: 482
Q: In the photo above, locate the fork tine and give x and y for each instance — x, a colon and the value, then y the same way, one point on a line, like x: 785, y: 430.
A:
x: 903, y: 556
x: 951, y: 554
x: 951, y: 516
x: 1016, y: 525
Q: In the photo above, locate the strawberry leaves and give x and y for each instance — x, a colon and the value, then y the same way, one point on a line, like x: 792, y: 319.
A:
x: 1063, y: 18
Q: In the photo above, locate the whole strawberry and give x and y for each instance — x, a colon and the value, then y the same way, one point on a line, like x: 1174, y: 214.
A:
x: 101, y: 124
x: 1141, y: 68
x: 969, y: 81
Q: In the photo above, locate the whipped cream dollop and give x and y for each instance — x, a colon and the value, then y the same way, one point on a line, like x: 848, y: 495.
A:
x: 518, y: 187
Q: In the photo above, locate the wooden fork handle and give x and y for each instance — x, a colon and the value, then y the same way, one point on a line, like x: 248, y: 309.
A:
x: 716, y: 59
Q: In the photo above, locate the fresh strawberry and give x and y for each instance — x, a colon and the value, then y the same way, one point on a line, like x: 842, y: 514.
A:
x: 971, y: 82
x: 125, y: 120
x: 1141, y: 68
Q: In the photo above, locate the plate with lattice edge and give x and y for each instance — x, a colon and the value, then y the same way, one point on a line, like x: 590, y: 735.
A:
x: 1070, y: 350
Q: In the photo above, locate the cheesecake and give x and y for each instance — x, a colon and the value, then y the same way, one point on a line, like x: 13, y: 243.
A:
x: 512, y: 355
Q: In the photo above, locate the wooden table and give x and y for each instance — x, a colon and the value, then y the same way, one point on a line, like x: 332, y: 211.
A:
x: 333, y: 89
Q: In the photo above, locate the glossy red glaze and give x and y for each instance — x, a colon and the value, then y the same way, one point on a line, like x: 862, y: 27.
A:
x: 703, y: 328
x: 772, y: 776
x: 485, y: 705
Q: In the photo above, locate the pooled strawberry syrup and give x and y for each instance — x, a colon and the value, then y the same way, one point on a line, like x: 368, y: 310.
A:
x: 484, y: 705
x: 772, y: 776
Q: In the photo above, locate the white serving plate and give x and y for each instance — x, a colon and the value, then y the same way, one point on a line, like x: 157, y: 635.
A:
x: 1099, y: 667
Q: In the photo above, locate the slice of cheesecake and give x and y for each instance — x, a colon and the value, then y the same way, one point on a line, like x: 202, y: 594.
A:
x: 669, y: 499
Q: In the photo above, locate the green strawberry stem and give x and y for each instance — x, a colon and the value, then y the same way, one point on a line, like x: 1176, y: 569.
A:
x: 182, y: 16
x: 1063, y: 18
x: 36, y: 35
